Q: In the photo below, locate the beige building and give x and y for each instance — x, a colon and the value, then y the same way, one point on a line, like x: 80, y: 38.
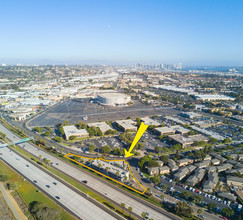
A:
x: 177, y: 129
x: 71, y: 130
x: 187, y: 141
x: 127, y: 124
x: 235, y: 181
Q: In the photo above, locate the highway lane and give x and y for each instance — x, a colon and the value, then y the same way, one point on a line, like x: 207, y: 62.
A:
x: 104, y: 188
x: 74, y: 202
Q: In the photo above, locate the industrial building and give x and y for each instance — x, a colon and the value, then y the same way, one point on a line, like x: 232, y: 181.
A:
x: 187, y: 141
x: 127, y: 124
x: 71, y: 130
x: 211, y: 97
x: 113, y: 99
x: 111, y: 169
x: 190, y: 115
x: 101, y: 125
x: 149, y: 121
x: 171, y: 130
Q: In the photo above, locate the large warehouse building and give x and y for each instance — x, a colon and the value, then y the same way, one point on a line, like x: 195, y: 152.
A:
x: 113, y: 99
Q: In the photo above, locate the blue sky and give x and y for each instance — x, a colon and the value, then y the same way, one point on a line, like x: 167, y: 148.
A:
x: 195, y: 32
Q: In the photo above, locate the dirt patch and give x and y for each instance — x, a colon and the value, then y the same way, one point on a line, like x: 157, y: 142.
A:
x: 6, y: 213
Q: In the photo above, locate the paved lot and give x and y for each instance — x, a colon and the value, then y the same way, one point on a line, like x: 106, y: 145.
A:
x: 68, y: 198
x: 75, y: 111
x: 104, y: 188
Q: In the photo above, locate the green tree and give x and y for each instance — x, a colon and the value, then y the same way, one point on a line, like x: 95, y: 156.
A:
x: 3, y: 177
x: 148, y: 192
x: 211, y: 206
x: 73, y: 137
x: 199, y: 211
x: 47, y: 133
x: 227, y: 141
x: 155, y: 180
x: 186, y: 194
x: 162, y: 196
x: 153, y: 163
x: 177, y: 147
x: 117, y: 174
x: 144, y: 215
x: 107, y: 169
x: 57, y: 139
x: 197, y: 199
x: 164, y: 158
x: 42, y: 211
x: 228, y: 212
x: 183, y: 209
x: 99, y: 165
x: 92, y: 147
x: 106, y: 149
x: 123, y: 207
x: 130, y: 210
x: 38, y: 129
x: 213, y: 140
x: 65, y: 123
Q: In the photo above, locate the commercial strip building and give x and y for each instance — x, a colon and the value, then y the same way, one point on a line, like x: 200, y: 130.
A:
x: 175, y: 89
x: 71, y: 130
x: 178, y: 121
x: 208, y: 133
x: 187, y: 141
x: 149, y: 121
x: 177, y: 129
x: 211, y: 97
x: 207, y: 123
x: 126, y: 124
x: 190, y: 115
x: 103, y: 126
x: 112, y: 169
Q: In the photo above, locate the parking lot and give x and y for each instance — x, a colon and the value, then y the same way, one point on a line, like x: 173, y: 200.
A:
x: 228, y: 131
x: 99, y: 142
x: 75, y: 111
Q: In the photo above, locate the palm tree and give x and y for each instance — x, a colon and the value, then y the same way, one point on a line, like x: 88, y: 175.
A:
x: 162, y: 196
x: 130, y: 210
x: 144, y: 215
x: 107, y: 168
x: 99, y: 165
x: 117, y: 174
x: 123, y: 207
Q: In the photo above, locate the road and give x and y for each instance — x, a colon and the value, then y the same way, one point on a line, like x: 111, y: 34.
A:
x: 113, y: 193
x: 71, y: 200
x: 10, y: 204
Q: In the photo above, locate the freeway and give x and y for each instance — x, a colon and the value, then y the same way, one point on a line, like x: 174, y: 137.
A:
x: 59, y: 192
x: 108, y: 190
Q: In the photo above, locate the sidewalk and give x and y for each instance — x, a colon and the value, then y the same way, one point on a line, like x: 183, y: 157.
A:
x: 19, y: 215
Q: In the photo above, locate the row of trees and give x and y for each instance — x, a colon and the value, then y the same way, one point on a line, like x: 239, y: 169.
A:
x: 130, y: 209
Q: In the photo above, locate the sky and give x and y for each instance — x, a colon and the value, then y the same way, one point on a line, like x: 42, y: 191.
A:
x: 193, y: 32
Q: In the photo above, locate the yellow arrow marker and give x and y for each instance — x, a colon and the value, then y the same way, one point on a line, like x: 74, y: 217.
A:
x: 139, y: 134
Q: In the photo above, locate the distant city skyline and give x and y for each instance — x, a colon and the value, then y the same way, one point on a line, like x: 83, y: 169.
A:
x: 203, y: 32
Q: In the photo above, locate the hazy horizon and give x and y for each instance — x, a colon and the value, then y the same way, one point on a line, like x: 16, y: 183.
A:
x: 202, y: 33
